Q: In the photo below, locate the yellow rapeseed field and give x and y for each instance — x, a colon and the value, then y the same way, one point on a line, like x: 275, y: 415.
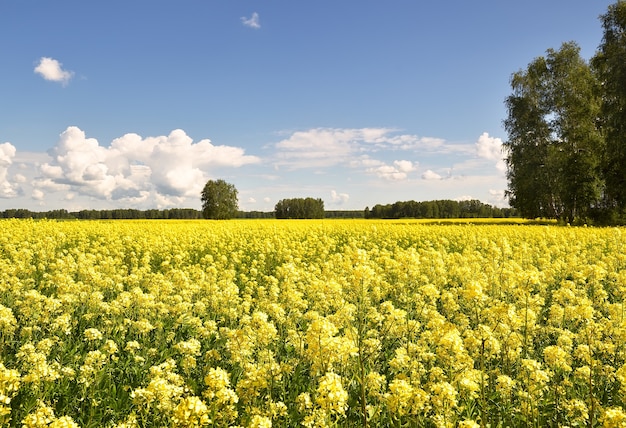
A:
x: 310, y: 323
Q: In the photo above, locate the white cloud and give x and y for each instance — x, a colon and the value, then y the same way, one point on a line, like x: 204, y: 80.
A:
x: 7, y: 189
x: 51, y: 69
x: 339, y: 198
x: 431, y: 175
x: 133, y: 169
x: 252, y: 22
x: 365, y: 161
x: 169, y: 170
x: 317, y: 147
x: 404, y: 165
x: 325, y: 147
x: 489, y: 147
x: 362, y: 148
x: 7, y: 153
x: 38, y: 195
x: 50, y: 185
x: 396, y: 172
x: 497, y: 198
x: 501, y: 166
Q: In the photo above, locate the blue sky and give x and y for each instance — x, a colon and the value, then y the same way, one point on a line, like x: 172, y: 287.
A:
x: 136, y: 104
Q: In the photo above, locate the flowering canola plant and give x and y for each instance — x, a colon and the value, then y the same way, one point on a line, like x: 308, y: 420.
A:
x: 310, y: 323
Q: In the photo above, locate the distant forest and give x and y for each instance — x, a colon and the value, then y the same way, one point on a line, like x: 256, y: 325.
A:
x: 439, y: 209
x: 407, y: 209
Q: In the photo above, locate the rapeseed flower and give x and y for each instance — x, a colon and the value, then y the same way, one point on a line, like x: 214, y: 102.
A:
x: 259, y: 421
x: 92, y: 334
x: 430, y: 321
x: 331, y: 396
x: 191, y: 412
x: 8, y: 323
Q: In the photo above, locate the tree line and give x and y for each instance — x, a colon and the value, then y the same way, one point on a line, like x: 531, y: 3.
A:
x: 438, y: 209
x: 298, y: 208
x: 408, y: 209
x: 566, y: 125
x: 114, y: 214
x: 154, y: 214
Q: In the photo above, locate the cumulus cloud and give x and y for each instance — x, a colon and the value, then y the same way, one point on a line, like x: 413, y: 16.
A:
x: 38, y: 195
x: 497, y: 198
x: 399, y: 170
x: 43, y: 183
x: 431, y: 175
x: 360, y: 148
x: 252, y: 22
x: 7, y: 153
x: 324, y: 147
x: 133, y: 169
x: 404, y: 165
x: 7, y: 189
x: 51, y: 69
x: 491, y: 148
x: 339, y: 198
x: 317, y: 147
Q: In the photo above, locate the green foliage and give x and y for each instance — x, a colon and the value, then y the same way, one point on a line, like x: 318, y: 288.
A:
x: 438, y: 209
x: 219, y: 200
x: 566, y: 122
x: 299, y: 208
x: 115, y: 214
x: 609, y: 65
x: 554, y: 147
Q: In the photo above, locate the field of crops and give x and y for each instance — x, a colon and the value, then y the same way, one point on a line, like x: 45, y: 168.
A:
x: 310, y: 323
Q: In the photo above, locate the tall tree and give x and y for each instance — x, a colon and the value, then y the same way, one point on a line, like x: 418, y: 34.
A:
x: 553, y: 146
x: 609, y: 64
x: 219, y: 200
x: 299, y: 208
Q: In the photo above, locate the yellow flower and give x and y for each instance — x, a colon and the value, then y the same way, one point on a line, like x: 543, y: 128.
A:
x: 443, y: 396
x: 42, y: 417
x: 110, y: 347
x: 216, y: 379
x: 94, y: 361
x: 614, y: 417
x: 63, y: 422
x: 557, y: 358
x: 504, y: 385
x: 8, y: 322
x: 143, y: 326
x: 375, y: 384
x: 399, y: 398
x: 577, y: 411
x: 129, y: 422
x: 9, y: 387
x: 92, y: 334
x: 258, y: 421
x: 304, y: 403
x: 132, y: 346
x: 191, y: 412
x: 190, y: 347
x: 324, y: 348
x: 467, y: 423
x: 330, y: 394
